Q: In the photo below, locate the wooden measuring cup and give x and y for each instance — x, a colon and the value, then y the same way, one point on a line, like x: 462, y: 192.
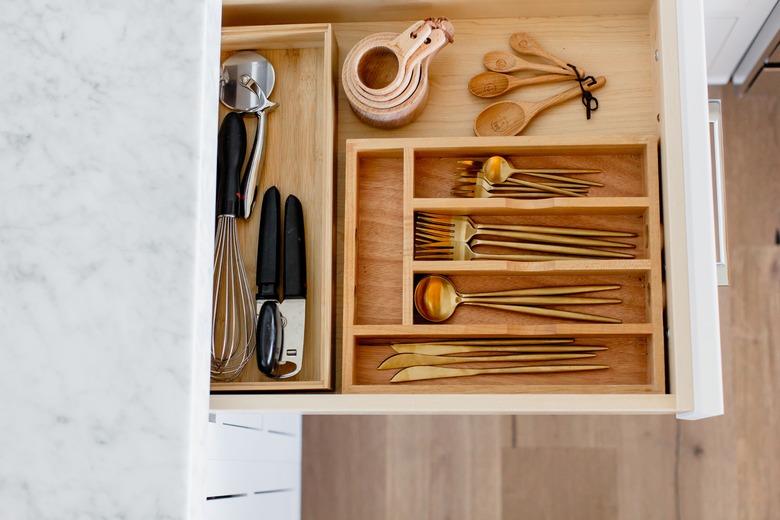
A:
x: 438, y: 39
x: 379, y: 63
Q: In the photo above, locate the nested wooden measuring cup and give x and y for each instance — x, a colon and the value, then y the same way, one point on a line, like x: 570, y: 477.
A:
x: 379, y: 62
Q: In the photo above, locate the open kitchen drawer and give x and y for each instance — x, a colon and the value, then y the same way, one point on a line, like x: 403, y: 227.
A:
x: 652, y: 53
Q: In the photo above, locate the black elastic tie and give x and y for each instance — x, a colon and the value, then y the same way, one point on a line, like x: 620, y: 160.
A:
x: 588, y: 99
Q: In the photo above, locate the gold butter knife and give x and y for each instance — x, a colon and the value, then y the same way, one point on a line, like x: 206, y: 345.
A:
x: 426, y: 372
x: 444, y: 349
x: 410, y: 360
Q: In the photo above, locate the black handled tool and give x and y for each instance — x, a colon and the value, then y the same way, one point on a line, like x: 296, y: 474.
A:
x: 281, y: 307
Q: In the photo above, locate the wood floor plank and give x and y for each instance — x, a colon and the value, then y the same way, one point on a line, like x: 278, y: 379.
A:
x: 344, y: 468
x: 535, y: 487
x: 728, y: 465
x: 645, y: 447
x: 446, y: 467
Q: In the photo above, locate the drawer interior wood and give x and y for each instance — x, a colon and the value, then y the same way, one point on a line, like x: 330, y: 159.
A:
x: 628, y: 354
x: 383, y: 181
x: 618, y: 39
x: 298, y: 160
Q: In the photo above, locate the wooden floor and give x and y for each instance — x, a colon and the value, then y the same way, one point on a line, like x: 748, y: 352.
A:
x: 487, y: 468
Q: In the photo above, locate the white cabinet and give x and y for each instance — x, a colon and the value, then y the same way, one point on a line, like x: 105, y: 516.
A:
x: 253, y: 466
x: 731, y: 26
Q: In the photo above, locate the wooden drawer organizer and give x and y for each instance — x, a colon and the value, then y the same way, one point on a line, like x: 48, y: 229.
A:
x: 389, y: 180
x: 634, y: 43
x: 299, y: 160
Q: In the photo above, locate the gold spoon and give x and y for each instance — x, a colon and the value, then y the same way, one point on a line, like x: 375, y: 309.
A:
x: 497, y: 170
x: 500, y: 61
x: 436, y: 299
x: 511, y: 117
x: 413, y: 360
x: 494, y: 84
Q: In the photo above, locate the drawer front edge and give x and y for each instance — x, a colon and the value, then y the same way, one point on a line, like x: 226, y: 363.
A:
x: 706, y: 391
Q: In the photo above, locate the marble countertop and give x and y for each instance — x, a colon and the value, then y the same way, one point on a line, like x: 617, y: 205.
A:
x: 107, y: 154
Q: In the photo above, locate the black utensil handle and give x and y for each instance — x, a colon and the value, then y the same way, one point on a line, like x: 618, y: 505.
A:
x: 269, y: 337
x: 231, y: 148
x: 294, y: 249
x: 269, y: 246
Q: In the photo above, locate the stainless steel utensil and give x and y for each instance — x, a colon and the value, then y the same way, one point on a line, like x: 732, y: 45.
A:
x: 233, y: 316
x: 247, y: 80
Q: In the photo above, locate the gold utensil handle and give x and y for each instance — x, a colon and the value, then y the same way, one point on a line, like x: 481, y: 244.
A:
x: 444, y: 350
x: 553, y: 239
x: 499, y: 341
x: 547, y: 187
x: 542, y: 300
x: 559, y: 230
x: 542, y: 291
x: 411, y: 360
x: 566, y: 250
x: 581, y: 182
x: 521, y: 258
x: 426, y: 372
x: 551, y: 313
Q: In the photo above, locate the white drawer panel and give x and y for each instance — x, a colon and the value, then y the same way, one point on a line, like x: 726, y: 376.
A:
x: 233, y: 477
x: 264, y: 506
x: 245, y: 444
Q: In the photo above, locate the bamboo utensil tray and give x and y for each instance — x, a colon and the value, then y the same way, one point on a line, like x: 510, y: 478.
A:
x: 388, y: 181
x: 299, y: 160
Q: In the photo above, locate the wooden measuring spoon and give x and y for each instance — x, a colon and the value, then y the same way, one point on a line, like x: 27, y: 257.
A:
x: 494, y: 84
x: 523, y: 43
x: 511, y: 117
x: 499, y: 61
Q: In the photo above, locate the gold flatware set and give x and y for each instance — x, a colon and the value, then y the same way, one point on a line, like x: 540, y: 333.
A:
x: 422, y: 361
x: 455, y: 237
x: 497, y: 177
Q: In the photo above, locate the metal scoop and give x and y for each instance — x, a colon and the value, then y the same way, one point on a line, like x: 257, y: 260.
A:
x: 246, y: 81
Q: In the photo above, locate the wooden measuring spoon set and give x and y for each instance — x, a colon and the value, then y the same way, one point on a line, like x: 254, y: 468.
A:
x: 512, y: 117
x: 385, y: 75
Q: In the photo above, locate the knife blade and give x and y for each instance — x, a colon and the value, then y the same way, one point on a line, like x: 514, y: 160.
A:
x: 268, y: 336
x: 293, y: 306
x: 443, y: 350
x: 411, y: 360
x: 268, y: 258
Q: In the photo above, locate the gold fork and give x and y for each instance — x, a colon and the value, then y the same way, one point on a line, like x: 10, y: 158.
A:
x: 460, y: 249
x: 480, y: 188
x: 464, y: 229
x: 550, y: 230
x: 497, y: 169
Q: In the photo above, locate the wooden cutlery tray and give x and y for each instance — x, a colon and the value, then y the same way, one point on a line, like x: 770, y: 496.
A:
x: 299, y: 160
x: 389, y: 181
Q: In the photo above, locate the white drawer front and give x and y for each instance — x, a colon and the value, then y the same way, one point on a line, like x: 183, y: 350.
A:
x: 252, y: 472
x: 263, y: 506
x: 702, y: 370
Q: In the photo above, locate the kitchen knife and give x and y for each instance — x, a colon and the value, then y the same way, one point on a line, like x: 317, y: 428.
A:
x: 268, y: 247
x: 293, y: 306
x: 269, y: 334
x: 412, y: 360
x: 444, y: 350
